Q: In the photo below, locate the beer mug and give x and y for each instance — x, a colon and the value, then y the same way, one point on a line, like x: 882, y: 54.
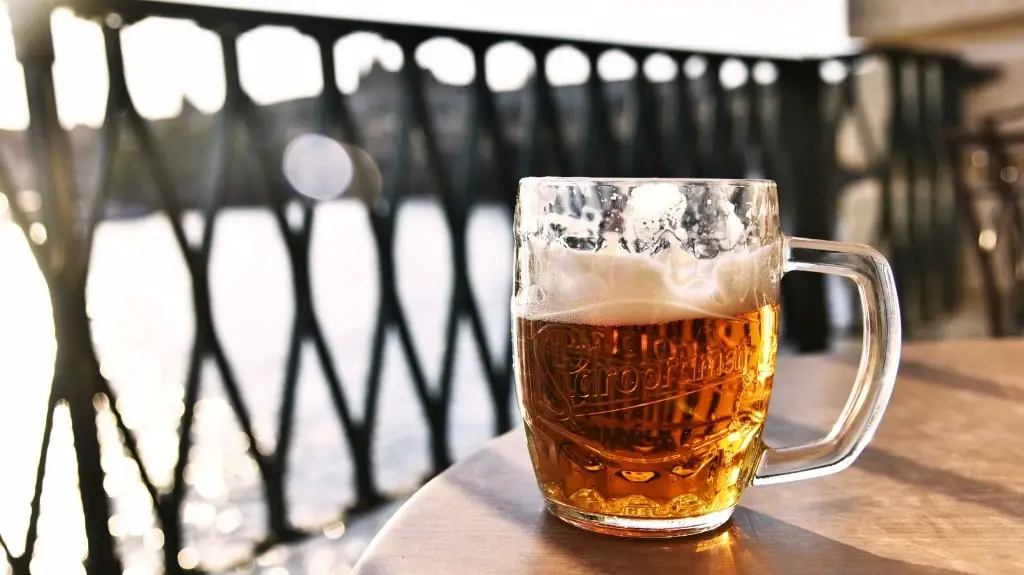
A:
x: 646, y: 325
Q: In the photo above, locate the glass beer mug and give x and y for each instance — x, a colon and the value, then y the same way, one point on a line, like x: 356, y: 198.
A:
x: 646, y: 325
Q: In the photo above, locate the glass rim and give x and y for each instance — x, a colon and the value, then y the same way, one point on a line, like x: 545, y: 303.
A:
x: 614, y: 181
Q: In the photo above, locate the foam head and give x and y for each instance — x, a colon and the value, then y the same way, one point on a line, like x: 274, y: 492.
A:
x: 622, y: 252
x: 617, y: 287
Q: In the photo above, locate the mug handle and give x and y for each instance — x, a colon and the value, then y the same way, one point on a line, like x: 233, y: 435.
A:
x: 879, y: 359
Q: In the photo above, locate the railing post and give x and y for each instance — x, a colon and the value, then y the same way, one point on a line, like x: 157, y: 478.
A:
x: 953, y: 84
x: 33, y: 41
x: 64, y: 265
x: 894, y: 224
x: 809, y: 151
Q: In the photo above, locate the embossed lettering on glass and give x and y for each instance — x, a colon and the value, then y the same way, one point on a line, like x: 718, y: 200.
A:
x: 646, y: 325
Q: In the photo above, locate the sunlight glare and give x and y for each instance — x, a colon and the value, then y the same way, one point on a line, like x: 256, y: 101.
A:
x: 27, y: 351
x: 79, y: 70
x: 159, y: 80
x: 509, y: 66
x: 278, y: 64
x: 13, y: 98
x: 616, y: 66
x: 61, y: 545
x: 567, y: 66
x: 450, y: 61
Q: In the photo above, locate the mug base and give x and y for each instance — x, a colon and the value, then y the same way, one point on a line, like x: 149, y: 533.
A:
x: 638, y: 527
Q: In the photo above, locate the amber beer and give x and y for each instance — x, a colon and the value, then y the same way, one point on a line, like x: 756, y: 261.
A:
x: 656, y: 421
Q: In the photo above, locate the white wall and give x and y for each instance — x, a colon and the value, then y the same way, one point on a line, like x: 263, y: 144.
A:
x: 774, y: 27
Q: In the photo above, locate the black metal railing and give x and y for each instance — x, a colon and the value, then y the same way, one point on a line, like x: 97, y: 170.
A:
x: 920, y: 209
x: 785, y: 129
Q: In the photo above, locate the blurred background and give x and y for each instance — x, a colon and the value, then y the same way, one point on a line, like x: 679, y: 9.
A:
x: 255, y: 256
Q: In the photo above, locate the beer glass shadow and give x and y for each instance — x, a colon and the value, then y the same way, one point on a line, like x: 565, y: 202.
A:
x: 960, y: 382
x: 949, y: 379
x: 875, y: 460
x: 751, y: 543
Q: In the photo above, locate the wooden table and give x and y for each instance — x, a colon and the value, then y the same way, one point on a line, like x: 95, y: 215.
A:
x: 940, y: 490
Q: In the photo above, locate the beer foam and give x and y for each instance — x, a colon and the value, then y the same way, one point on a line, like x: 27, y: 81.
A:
x: 616, y: 287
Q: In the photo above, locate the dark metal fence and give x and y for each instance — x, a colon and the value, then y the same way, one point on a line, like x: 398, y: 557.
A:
x: 784, y: 128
